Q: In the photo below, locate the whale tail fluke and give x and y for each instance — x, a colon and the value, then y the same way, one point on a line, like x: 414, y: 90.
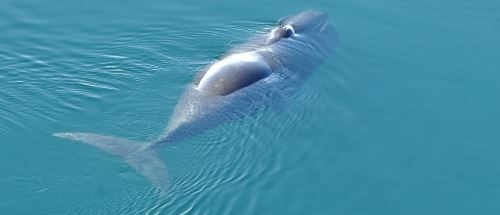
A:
x: 139, y: 155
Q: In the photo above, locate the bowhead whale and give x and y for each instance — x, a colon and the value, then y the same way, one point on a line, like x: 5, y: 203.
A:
x: 252, y: 76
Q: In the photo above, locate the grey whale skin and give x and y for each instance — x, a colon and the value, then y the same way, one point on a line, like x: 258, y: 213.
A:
x: 268, y: 68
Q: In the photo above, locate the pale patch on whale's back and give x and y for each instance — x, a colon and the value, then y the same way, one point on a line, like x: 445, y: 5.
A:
x: 234, y: 72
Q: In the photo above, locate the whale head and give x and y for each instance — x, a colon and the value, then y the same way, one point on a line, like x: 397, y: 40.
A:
x: 306, y: 21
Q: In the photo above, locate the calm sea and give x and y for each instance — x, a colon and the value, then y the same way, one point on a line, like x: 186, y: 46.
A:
x: 402, y: 119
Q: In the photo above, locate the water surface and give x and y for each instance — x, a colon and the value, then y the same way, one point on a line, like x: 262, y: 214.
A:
x: 402, y: 119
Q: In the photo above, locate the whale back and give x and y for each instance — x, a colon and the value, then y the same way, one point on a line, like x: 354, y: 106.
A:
x: 233, y: 73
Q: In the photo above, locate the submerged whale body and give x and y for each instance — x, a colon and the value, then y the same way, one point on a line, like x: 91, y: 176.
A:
x: 266, y: 69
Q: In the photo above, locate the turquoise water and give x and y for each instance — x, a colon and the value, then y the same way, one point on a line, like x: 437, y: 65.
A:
x: 402, y: 119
